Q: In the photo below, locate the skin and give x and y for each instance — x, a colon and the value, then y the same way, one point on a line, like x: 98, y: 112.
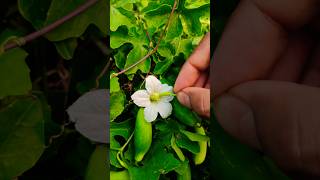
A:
x: 266, y: 81
x: 193, y: 84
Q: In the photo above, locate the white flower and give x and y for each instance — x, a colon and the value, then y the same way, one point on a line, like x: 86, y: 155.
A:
x: 155, y: 99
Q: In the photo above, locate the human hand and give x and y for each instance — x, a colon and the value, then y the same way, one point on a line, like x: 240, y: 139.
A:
x: 192, y: 85
x: 266, y: 80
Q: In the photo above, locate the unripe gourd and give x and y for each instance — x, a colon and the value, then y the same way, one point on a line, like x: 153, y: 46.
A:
x: 142, y: 136
x: 201, y: 156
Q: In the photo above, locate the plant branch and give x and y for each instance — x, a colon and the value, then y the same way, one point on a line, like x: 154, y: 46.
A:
x: 23, y: 40
x: 154, y: 49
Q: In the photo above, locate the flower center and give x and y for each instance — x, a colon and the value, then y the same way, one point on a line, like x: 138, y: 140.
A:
x: 155, y: 97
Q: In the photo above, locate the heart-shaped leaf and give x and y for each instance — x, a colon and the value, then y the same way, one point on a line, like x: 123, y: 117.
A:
x: 21, y: 136
x: 90, y: 114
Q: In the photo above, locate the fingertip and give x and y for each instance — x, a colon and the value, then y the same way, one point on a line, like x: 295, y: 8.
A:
x: 197, y: 99
x: 184, y: 99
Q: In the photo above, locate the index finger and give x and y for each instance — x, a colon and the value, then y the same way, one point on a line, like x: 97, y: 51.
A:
x: 198, y: 62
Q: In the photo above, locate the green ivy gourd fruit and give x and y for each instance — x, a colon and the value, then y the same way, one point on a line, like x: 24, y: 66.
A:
x: 142, y: 136
x: 184, y: 115
x: 201, y: 156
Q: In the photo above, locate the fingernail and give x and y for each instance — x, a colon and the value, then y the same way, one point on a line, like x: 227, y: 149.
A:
x: 184, y: 99
x: 237, y: 118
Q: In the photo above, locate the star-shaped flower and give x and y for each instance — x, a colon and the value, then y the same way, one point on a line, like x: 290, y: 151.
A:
x: 155, y: 99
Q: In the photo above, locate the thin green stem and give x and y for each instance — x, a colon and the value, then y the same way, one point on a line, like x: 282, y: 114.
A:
x: 167, y: 94
x: 129, y: 139
x: 120, y: 152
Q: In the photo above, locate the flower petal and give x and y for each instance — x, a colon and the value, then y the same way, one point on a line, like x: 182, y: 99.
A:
x: 164, y: 109
x: 141, y: 98
x: 151, y: 113
x: 166, y: 98
x: 153, y: 84
x: 166, y: 88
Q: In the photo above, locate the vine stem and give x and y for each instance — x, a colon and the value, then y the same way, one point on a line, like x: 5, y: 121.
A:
x: 154, y: 49
x: 30, y: 37
x: 120, y: 152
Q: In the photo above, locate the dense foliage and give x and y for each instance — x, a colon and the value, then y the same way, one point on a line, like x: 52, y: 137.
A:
x: 138, y: 28
x: 40, y: 80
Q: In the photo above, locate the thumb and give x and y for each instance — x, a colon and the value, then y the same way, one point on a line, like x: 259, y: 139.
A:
x: 197, y: 99
x: 280, y: 118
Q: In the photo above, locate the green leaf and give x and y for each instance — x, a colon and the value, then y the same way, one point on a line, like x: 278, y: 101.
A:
x: 157, y: 161
x: 98, y: 167
x: 114, y: 85
x: 162, y: 67
x: 175, y: 29
x: 191, y: 4
x: 122, y: 129
x: 96, y: 15
x: 169, y: 126
x: 124, y: 3
x: 134, y: 56
x: 191, y: 19
x: 51, y: 128
x: 121, y: 55
x: 184, y: 142
x: 44, y: 12
x: 139, y: 41
x: 21, y: 136
x: 66, y: 48
x: 173, y: 49
x: 166, y: 49
x: 124, y: 17
x: 15, y: 73
x: 34, y: 11
x: 117, y: 100
x: 183, y: 46
x: 156, y: 15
